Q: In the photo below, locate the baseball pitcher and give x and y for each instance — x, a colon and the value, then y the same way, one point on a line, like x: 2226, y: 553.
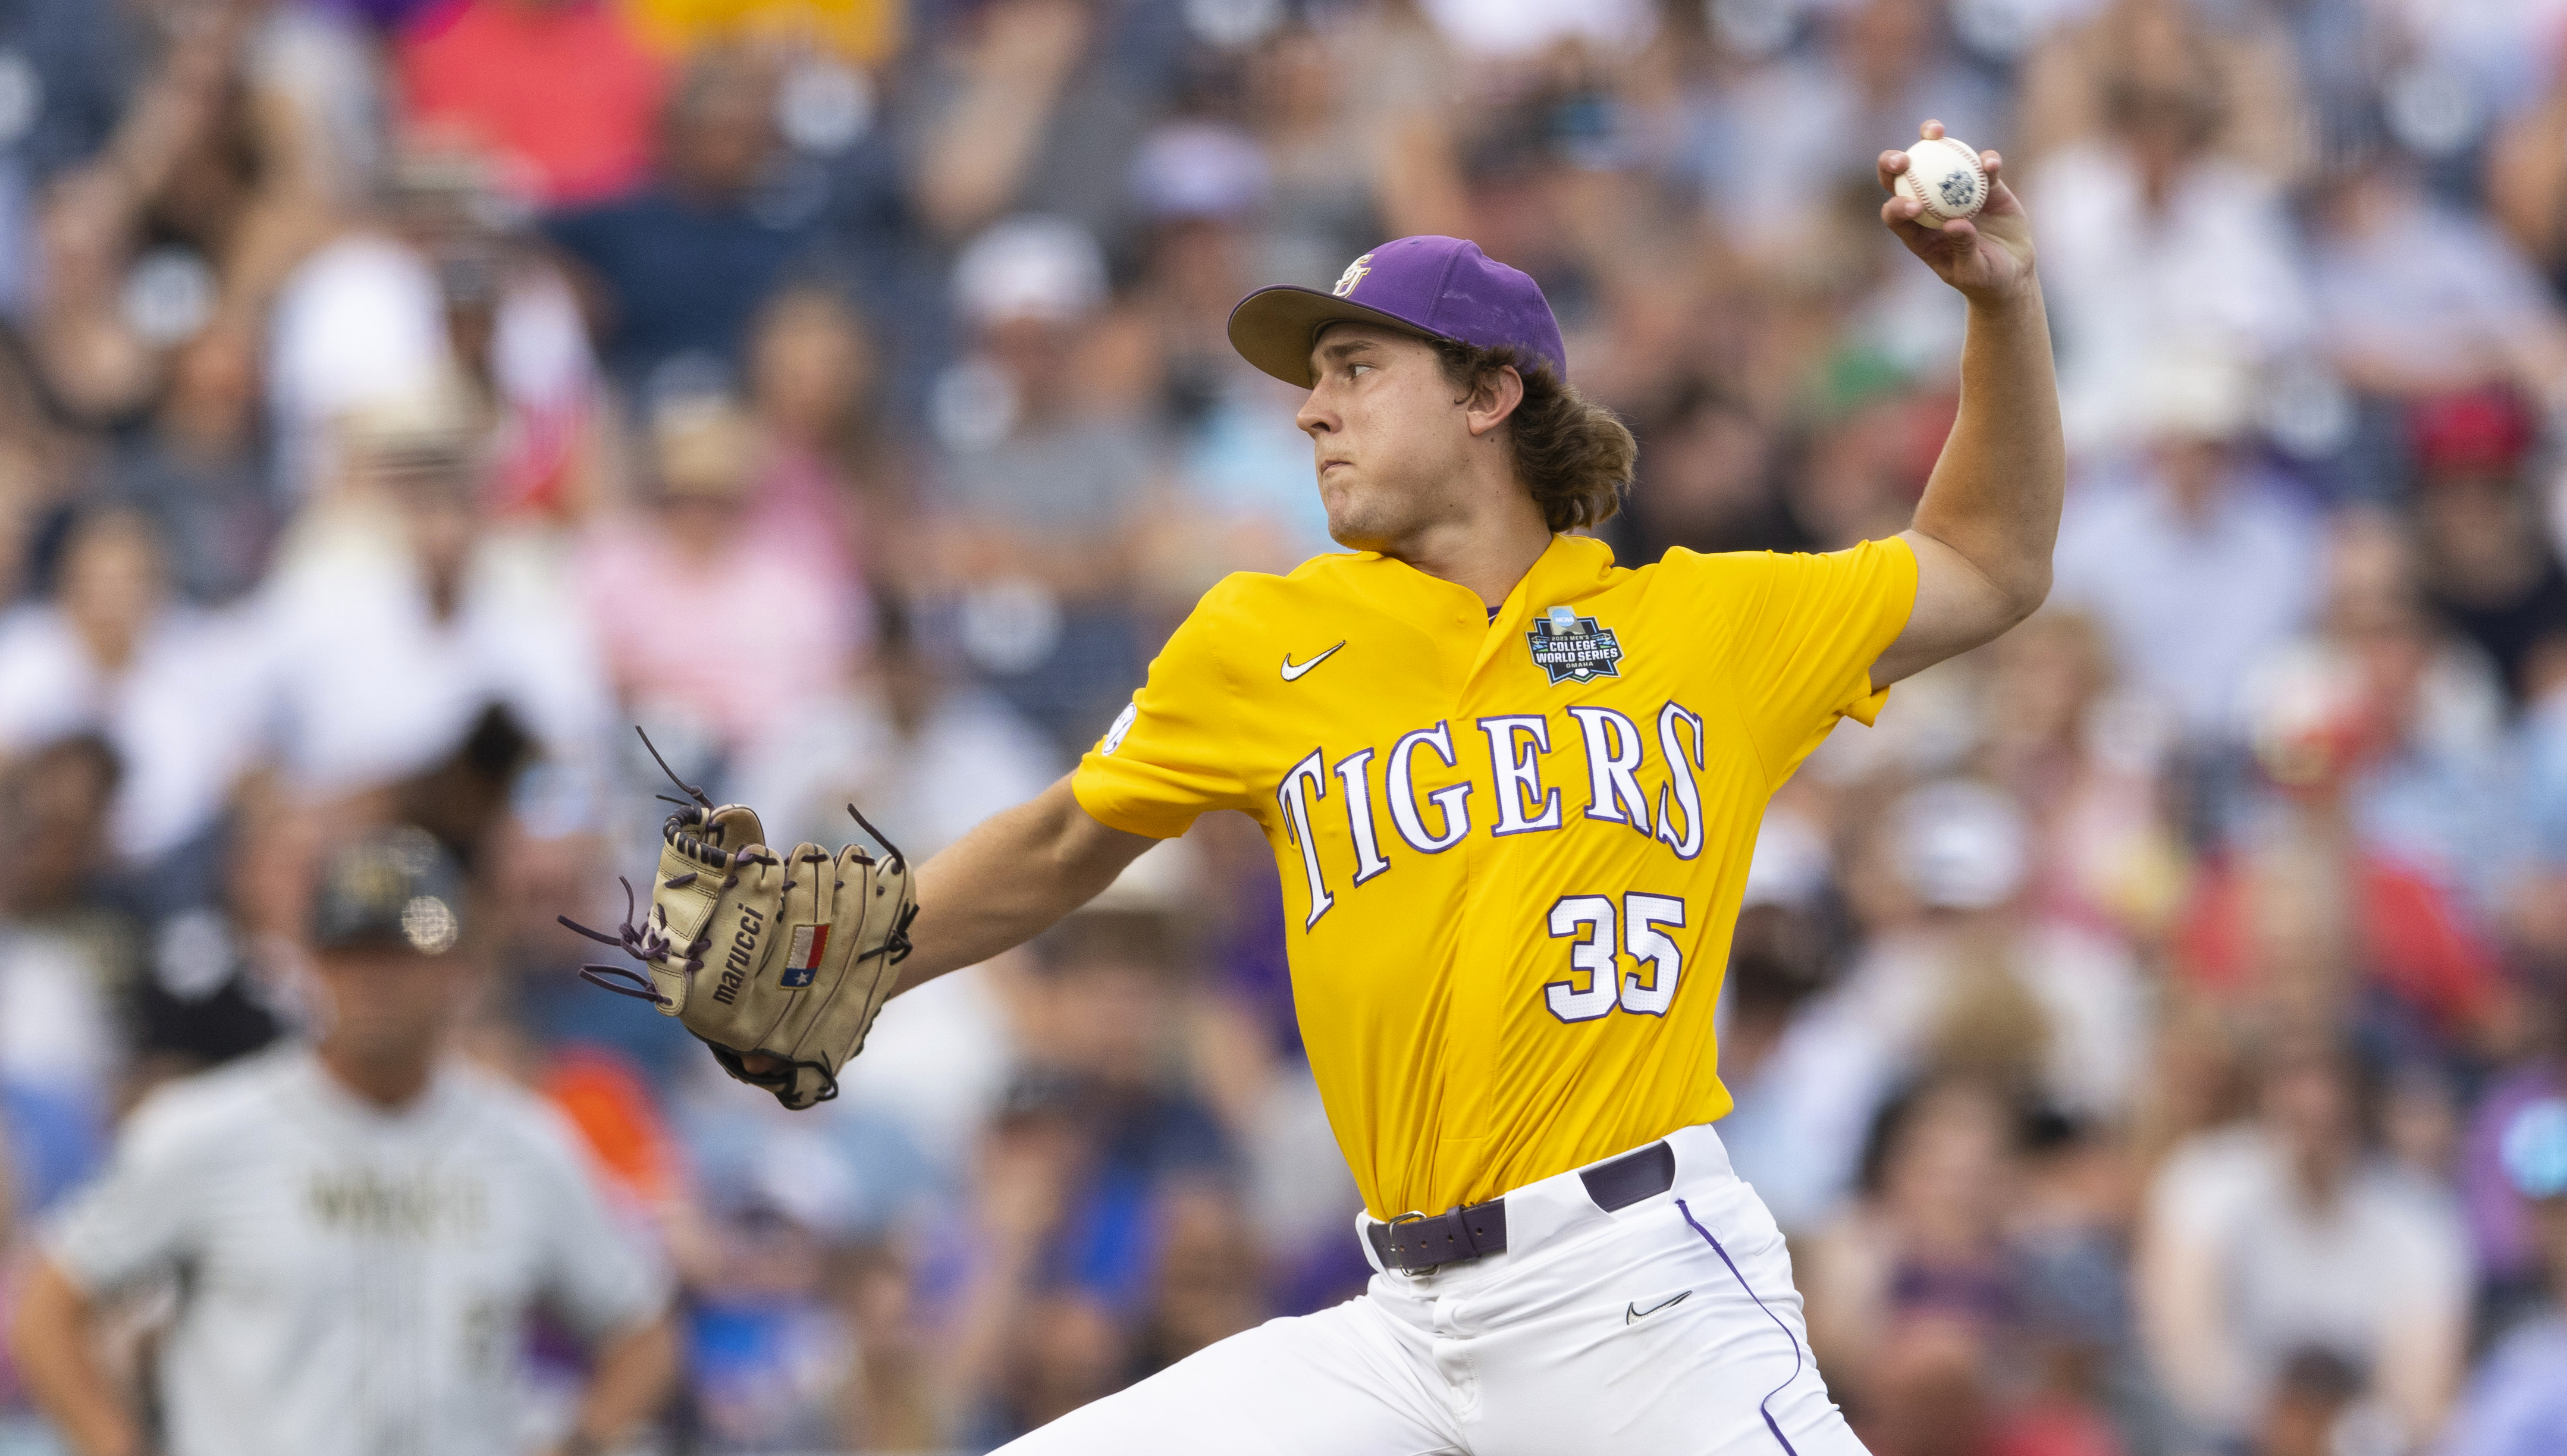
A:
x: 1511, y: 788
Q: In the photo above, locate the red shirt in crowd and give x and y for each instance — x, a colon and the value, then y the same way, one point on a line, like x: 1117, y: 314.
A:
x: 564, y: 93
x: 2416, y: 945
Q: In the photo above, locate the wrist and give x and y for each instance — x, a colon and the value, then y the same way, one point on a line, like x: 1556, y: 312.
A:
x: 2008, y: 300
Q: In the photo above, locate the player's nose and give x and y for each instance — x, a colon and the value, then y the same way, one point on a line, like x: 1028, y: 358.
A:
x: 1316, y: 417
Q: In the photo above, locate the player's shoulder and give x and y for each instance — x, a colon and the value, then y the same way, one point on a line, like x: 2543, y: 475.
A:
x: 1330, y: 575
x: 1253, y: 605
x: 505, y: 1118
x: 207, y: 1113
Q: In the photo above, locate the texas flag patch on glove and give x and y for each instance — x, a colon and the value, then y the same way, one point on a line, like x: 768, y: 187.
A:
x: 803, y: 957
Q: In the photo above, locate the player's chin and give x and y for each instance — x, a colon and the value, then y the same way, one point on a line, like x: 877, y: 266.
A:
x: 1349, y: 524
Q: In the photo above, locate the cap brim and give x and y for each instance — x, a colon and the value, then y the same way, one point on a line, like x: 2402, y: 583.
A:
x: 1273, y: 328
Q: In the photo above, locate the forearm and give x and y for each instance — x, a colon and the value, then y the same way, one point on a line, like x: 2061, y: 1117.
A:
x: 57, y: 1354
x: 1009, y: 880
x: 630, y: 1382
x: 1995, y: 494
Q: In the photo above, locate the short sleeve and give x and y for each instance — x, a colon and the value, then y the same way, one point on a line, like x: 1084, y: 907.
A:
x: 1804, y: 658
x: 602, y: 1280
x: 1173, y: 753
x: 135, y: 1220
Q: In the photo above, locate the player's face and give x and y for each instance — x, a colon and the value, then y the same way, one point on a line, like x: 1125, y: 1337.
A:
x: 386, y: 1002
x: 1388, y: 434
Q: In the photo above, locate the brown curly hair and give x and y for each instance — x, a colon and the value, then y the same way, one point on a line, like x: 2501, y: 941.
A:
x: 1576, y: 456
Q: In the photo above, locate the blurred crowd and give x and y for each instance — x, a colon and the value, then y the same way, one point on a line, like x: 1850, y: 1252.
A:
x: 2153, y: 1034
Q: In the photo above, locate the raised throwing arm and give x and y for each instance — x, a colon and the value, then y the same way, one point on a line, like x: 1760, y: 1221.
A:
x: 1990, y: 514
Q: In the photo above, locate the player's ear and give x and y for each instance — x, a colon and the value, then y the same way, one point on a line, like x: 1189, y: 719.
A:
x: 1493, y: 398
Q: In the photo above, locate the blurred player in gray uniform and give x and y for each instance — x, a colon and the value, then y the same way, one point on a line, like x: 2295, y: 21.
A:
x: 358, y: 1228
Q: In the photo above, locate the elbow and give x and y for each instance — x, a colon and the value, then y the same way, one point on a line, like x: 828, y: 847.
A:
x: 2027, y: 590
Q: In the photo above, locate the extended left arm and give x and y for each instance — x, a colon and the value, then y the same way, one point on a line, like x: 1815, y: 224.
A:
x: 633, y: 1371
x: 1990, y: 513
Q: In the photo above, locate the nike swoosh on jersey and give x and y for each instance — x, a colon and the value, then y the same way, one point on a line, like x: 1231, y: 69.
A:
x: 1293, y: 670
x: 1634, y: 1314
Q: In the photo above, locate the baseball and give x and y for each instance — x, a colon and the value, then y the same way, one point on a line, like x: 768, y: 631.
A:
x: 1944, y: 176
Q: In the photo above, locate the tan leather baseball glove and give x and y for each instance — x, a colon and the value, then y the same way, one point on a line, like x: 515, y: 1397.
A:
x: 785, y: 959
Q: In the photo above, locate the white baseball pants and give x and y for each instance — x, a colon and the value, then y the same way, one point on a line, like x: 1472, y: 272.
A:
x: 1670, y: 1325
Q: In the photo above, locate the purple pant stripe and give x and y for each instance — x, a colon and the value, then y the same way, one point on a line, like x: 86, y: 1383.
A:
x: 1762, y: 1407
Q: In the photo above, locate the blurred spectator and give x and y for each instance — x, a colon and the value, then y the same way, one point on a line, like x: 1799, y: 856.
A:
x: 675, y: 268
x: 2085, y: 762
x: 2135, y: 68
x: 2517, y: 1405
x: 1793, y: 137
x: 2198, y: 564
x: 1038, y: 491
x: 68, y: 961
x: 1081, y: 1170
x: 1241, y: 498
x: 2503, y: 1222
x: 701, y: 540
x: 1783, y: 953
x: 2429, y: 753
x: 1029, y: 99
x: 397, y: 622
x: 202, y: 472
x: 219, y: 173
x: 1925, y: 1275
x: 2419, y: 298
x: 81, y: 53
x: 2526, y: 181
x: 1956, y: 979
x: 767, y: 1355
x: 2154, y: 250
x: 1708, y: 479
x: 2311, y: 920
x: 828, y: 472
x: 438, y: 293
x: 562, y: 92
x: 173, y: 688
x: 2287, y: 1233
x: 1343, y: 178
x: 2491, y: 569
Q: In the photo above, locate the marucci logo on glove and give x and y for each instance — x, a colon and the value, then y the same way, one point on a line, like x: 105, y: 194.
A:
x: 744, y: 948
x: 803, y: 957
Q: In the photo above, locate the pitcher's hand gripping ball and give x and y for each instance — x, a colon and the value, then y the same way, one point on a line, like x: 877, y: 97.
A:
x: 785, y: 959
x: 1945, y: 179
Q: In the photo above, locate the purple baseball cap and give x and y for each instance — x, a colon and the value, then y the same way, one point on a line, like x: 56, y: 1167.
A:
x: 1440, y: 287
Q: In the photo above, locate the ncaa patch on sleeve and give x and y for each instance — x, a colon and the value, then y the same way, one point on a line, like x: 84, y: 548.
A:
x: 802, y: 956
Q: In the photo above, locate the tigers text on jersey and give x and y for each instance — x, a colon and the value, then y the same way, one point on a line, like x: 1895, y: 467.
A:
x: 1512, y: 849
x: 351, y: 1279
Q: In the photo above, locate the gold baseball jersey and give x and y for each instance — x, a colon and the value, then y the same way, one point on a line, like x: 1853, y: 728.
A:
x: 1512, y: 849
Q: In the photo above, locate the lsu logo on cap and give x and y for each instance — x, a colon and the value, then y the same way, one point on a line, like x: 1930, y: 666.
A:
x: 803, y: 957
x: 1354, y: 275
x: 1569, y: 647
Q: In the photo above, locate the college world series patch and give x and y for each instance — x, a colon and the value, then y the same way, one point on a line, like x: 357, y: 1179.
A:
x: 1572, y: 648
x: 802, y: 955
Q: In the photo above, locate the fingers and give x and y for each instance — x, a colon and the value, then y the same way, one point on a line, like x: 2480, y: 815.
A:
x: 1899, y: 215
x: 1891, y: 165
x: 1930, y: 131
